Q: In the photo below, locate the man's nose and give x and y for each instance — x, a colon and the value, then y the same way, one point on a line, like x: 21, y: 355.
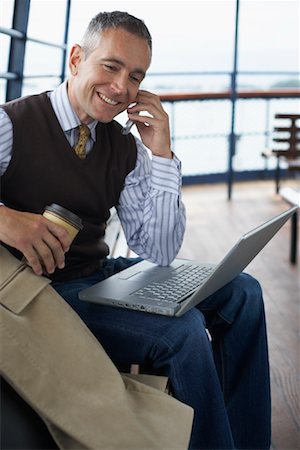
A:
x: 120, y: 84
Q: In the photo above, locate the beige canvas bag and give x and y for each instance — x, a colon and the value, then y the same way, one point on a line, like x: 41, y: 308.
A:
x: 55, y: 363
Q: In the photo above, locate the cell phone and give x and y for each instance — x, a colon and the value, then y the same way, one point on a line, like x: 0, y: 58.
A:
x: 127, y: 127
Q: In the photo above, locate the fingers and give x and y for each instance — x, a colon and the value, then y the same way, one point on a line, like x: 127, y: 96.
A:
x: 61, y: 234
x: 50, y: 248
x: 32, y: 259
x: 45, y: 254
x: 154, y: 126
x: 52, y: 253
x: 41, y: 259
x: 150, y: 103
x: 42, y: 242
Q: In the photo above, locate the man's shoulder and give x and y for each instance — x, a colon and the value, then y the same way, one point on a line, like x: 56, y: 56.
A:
x: 25, y: 101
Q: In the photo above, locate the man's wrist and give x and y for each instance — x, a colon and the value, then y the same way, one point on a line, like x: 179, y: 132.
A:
x: 168, y: 154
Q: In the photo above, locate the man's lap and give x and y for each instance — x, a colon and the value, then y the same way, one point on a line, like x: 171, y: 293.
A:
x: 134, y: 332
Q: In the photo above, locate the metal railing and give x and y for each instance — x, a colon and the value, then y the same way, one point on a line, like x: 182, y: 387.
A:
x: 267, y: 96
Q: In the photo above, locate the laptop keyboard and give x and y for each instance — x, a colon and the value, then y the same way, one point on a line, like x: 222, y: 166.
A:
x: 181, y: 283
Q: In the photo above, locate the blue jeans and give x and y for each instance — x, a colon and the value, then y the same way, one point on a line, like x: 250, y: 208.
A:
x: 225, y: 379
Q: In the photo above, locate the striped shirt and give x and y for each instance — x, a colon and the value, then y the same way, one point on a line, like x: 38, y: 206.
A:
x: 150, y: 207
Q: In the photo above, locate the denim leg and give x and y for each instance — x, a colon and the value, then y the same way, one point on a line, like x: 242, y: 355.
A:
x: 185, y: 352
x: 236, y: 320
x: 69, y: 290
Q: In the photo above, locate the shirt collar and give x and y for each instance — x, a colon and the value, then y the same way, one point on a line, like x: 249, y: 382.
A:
x: 66, y: 115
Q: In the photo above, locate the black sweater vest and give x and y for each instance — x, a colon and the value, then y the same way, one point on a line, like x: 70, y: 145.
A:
x: 44, y: 169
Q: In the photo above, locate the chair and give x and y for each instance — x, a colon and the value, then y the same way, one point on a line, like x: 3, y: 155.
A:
x: 292, y: 197
x: 288, y: 135
x: 21, y: 427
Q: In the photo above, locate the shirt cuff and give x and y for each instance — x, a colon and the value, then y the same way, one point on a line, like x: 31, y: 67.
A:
x: 166, y: 174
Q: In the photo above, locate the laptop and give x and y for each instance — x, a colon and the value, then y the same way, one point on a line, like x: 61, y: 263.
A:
x: 172, y: 290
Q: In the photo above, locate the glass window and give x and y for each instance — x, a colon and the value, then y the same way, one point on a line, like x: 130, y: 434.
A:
x: 37, y: 85
x: 4, y: 45
x: 2, y: 90
x: 6, y: 14
x: 42, y: 60
x: 42, y: 68
x: 46, y: 23
x: 47, y: 20
x: 269, y: 41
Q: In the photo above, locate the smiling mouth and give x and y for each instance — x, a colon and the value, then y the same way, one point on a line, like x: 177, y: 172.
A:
x: 108, y: 100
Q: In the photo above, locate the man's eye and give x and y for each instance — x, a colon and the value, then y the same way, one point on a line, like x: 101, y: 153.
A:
x: 135, y: 79
x: 110, y: 68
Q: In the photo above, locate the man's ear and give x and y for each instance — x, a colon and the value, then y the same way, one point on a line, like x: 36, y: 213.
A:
x: 75, y: 58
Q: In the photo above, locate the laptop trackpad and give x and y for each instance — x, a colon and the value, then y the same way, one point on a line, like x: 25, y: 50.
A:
x: 147, y: 272
x: 129, y: 276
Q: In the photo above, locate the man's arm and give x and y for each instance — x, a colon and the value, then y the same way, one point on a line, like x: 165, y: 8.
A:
x: 150, y: 208
x: 42, y: 243
x: 6, y: 141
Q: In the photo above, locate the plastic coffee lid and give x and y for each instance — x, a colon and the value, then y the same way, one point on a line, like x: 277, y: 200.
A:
x: 65, y: 214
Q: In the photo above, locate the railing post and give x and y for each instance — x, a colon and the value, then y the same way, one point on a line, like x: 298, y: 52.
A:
x: 17, y: 49
x: 173, y: 126
x: 267, y: 132
x: 232, y: 136
x: 233, y: 97
x: 64, y: 56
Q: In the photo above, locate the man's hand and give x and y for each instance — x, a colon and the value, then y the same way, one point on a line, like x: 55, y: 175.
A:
x: 154, y: 130
x: 42, y: 242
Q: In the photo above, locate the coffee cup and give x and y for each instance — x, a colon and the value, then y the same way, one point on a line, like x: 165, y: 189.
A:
x: 65, y: 218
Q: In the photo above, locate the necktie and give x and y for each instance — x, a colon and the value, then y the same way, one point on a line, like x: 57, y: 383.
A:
x: 83, y: 136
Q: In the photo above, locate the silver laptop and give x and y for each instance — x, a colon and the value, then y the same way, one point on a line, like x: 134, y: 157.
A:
x: 174, y: 289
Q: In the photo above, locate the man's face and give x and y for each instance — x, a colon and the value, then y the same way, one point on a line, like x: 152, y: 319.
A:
x: 108, y: 80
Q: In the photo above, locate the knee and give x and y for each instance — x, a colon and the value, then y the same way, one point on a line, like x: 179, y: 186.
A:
x: 249, y: 286
x: 188, y: 329
x: 242, y: 298
x: 250, y: 292
x: 185, y: 336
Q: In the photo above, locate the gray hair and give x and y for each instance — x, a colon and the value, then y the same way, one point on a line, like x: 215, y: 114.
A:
x: 114, y: 19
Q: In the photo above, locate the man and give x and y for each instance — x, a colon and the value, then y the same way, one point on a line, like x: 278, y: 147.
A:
x: 226, y: 381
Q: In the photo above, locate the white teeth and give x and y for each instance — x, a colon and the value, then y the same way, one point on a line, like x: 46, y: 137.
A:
x: 108, y: 100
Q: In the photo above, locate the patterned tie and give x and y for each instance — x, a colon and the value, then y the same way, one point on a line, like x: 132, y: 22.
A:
x: 83, y: 136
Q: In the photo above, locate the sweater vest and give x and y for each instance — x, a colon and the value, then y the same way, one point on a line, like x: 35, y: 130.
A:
x: 44, y: 169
